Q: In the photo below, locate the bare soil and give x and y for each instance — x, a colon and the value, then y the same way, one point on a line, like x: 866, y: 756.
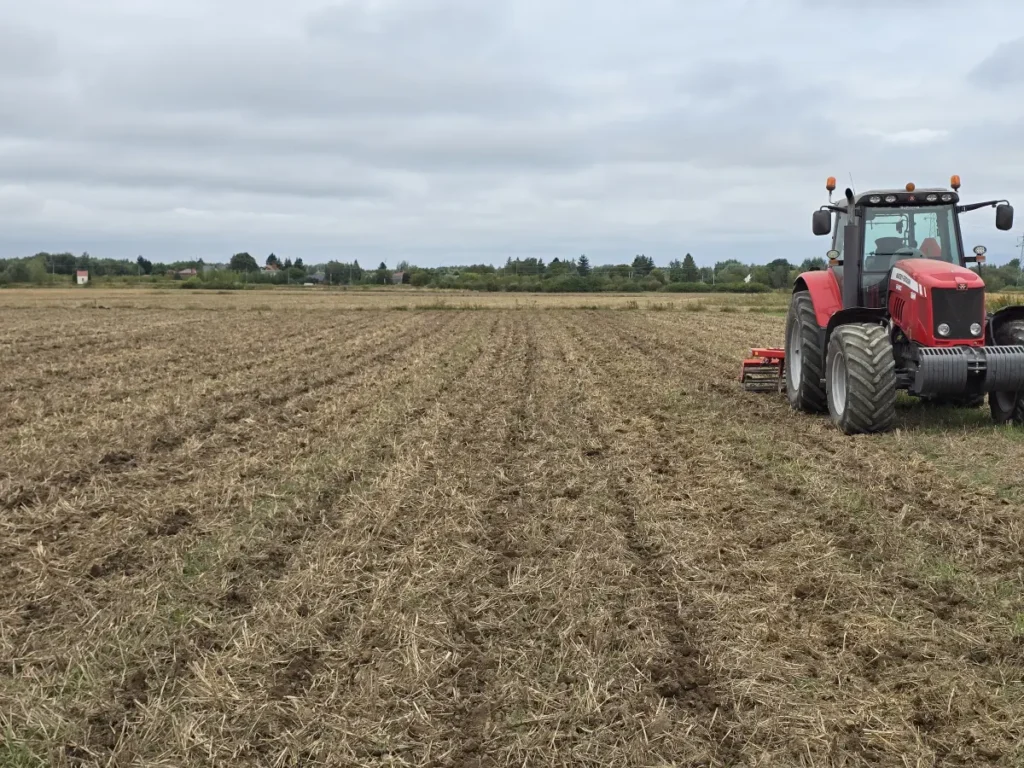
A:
x: 266, y: 530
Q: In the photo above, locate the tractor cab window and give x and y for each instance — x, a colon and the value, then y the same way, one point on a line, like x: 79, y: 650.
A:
x: 893, y: 234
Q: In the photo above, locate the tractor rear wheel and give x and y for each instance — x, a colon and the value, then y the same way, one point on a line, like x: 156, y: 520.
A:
x: 1008, y: 407
x: 861, y: 379
x: 805, y: 358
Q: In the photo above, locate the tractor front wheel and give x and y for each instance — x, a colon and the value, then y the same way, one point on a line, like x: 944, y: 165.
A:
x: 805, y: 358
x: 1008, y: 407
x: 860, y: 379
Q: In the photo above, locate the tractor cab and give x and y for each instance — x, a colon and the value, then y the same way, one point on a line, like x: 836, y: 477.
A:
x: 896, y: 225
x: 876, y: 230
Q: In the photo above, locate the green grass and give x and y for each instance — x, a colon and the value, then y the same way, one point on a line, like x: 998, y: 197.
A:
x: 199, y: 559
x: 15, y: 753
x: 940, y: 570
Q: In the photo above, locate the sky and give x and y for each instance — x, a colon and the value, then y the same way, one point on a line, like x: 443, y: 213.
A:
x: 465, y: 131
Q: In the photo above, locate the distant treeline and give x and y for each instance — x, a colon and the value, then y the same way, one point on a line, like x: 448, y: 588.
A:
x: 526, y: 275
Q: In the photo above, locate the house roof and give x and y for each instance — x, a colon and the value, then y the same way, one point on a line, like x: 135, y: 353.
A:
x: 82, y: 272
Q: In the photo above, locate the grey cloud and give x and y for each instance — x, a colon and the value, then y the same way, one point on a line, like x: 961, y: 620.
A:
x: 360, y: 58
x: 1003, y: 67
x: 83, y: 165
x: 27, y: 53
x: 468, y: 127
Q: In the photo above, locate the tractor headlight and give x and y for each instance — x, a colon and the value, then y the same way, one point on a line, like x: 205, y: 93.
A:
x: 943, y: 329
x: 890, y: 198
x: 946, y: 198
x: 976, y: 329
x: 932, y: 198
x: 876, y: 199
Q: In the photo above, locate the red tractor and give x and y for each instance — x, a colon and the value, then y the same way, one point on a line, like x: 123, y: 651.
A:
x: 897, y: 308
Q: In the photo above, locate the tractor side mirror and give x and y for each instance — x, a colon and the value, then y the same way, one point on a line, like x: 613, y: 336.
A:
x: 821, y: 223
x: 1004, y: 216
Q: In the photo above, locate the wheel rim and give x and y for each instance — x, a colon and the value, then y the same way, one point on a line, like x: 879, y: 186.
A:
x: 837, y: 385
x: 1004, y: 400
x: 794, y: 357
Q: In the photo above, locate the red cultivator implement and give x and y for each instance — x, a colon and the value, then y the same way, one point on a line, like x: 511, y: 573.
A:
x: 762, y: 371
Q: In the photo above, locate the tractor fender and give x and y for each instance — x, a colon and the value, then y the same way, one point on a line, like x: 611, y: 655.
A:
x: 824, y: 292
x: 999, y: 317
x: 854, y: 315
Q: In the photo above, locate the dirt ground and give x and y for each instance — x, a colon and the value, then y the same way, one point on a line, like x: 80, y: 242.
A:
x: 287, y: 529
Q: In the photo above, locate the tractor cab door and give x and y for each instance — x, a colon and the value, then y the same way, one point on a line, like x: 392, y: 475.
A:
x: 838, y: 236
x: 874, y: 272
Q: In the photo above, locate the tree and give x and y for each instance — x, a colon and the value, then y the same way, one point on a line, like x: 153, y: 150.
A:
x: 809, y: 265
x: 243, y: 262
x: 778, y: 273
x: 583, y: 266
x: 287, y: 264
x: 17, y: 272
x: 298, y: 263
x: 403, y: 266
x: 689, y: 271
x: 273, y: 261
x: 730, y: 271
x: 420, y: 278
x: 382, y: 274
x: 556, y: 268
x: 642, y: 266
x: 145, y: 266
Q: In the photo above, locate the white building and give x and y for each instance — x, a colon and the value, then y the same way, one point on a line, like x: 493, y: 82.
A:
x: 82, y: 276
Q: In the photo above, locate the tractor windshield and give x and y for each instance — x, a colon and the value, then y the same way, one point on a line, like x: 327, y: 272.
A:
x: 891, y: 234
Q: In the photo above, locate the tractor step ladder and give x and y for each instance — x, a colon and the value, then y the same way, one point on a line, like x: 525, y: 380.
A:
x: 763, y: 370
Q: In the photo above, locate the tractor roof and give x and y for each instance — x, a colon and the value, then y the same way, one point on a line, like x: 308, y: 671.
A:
x: 903, y: 197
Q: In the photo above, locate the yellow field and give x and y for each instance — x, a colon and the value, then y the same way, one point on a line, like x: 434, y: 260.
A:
x: 304, y: 528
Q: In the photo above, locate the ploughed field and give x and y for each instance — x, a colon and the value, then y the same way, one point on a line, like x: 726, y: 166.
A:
x: 291, y: 529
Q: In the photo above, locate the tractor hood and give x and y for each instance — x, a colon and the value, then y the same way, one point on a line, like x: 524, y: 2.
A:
x: 920, y: 274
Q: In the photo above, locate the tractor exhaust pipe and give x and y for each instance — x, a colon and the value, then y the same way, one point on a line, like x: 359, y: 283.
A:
x: 853, y: 260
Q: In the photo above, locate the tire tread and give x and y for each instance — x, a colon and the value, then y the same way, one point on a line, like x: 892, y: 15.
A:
x: 810, y: 397
x: 871, y: 378
x: 1011, y: 332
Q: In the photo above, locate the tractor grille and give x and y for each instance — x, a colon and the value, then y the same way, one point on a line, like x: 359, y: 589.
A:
x: 958, y: 309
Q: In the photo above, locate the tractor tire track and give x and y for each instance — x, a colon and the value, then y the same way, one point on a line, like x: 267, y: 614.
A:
x: 863, y: 545
x: 683, y: 674
x: 178, y: 662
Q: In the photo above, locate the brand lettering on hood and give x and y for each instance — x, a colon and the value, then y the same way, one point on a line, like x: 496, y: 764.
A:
x: 902, y: 277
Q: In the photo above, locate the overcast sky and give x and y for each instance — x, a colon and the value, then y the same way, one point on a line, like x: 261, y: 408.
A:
x: 459, y: 131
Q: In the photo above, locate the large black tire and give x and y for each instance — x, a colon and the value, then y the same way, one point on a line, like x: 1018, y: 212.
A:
x: 805, y: 358
x: 860, y: 379
x: 1008, y: 407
